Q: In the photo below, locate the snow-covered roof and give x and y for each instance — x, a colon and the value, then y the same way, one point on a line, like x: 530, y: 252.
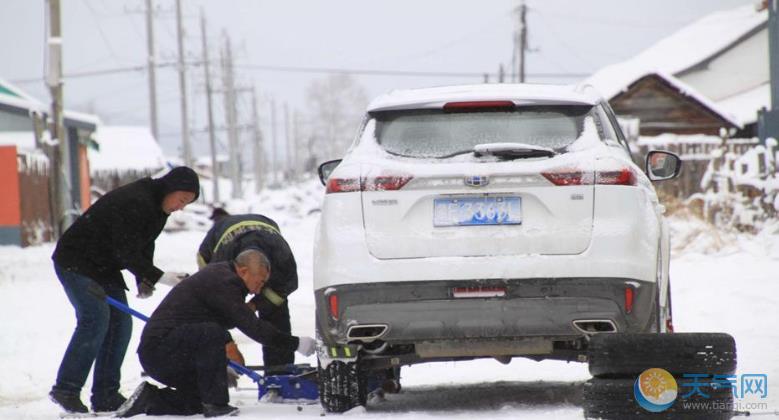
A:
x: 82, y: 117
x: 703, y: 38
x: 744, y: 105
x: 687, y: 90
x: 683, y: 49
x: 17, y: 98
x: 23, y: 140
x: 125, y: 148
x: 436, y: 97
x: 206, y: 160
x: 12, y: 95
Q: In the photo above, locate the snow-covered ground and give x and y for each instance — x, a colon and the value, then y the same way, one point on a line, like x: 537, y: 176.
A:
x: 720, y: 282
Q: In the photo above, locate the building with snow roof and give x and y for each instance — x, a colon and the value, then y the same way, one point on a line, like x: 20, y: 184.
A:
x: 125, y: 154
x: 25, y: 214
x: 711, y: 74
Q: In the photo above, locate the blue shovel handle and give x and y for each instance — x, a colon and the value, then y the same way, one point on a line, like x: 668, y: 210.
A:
x: 256, y: 377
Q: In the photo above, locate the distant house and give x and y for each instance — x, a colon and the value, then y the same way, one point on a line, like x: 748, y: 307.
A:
x: 25, y: 215
x: 711, y: 74
x: 203, y: 166
x: 126, y: 153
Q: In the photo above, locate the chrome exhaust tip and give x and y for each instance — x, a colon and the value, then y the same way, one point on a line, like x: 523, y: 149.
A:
x: 366, y: 333
x: 595, y: 326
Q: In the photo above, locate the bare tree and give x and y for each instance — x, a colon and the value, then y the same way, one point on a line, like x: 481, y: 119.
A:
x: 337, y: 104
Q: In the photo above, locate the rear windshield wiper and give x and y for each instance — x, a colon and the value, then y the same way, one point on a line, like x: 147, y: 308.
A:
x: 512, y: 150
x: 453, y: 154
x: 503, y: 150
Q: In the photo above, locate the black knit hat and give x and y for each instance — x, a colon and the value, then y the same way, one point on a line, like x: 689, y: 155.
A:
x: 181, y: 178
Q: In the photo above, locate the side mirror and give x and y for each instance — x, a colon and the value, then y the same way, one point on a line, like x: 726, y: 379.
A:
x: 326, y: 169
x: 662, y: 165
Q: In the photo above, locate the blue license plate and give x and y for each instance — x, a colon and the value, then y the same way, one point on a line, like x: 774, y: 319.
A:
x: 477, y: 211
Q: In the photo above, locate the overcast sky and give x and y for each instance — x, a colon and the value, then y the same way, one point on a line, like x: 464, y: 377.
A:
x: 571, y: 37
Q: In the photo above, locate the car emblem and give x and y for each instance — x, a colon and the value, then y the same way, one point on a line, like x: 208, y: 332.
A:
x: 477, y: 181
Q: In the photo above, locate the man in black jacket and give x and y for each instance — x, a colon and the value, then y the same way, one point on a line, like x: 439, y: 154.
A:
x: 182, y: 344
x: 229, y: 236
x: 117, y: 232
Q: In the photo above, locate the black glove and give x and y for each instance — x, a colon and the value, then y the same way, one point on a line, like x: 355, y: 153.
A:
x: 145, y: 288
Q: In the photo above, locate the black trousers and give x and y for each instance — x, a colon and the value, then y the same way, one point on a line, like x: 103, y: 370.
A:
x: 274, y: 358
x: 191, y: 361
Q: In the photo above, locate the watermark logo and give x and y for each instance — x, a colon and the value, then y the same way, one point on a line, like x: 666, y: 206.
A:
x: 741, y: 386
x: 655, y: 390
x: 753, y: 383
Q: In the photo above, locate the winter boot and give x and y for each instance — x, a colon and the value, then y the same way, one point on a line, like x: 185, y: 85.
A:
x: 213, y: 410
x: 138, y: 402
x: 110, y: 403
x: 70, y: 401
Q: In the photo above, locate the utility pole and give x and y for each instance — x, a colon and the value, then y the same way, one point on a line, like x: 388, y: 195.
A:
x: 274, y: 148
x: 231, y: 118
x: 258, y: 154
x: 520, y: 40
x: 60, y: 195
x: 768, y: 119
x: 209, y: 106
x: 287, y: 144
x: 151, y: 63
x: 186, y: 150
x: 295, y: 145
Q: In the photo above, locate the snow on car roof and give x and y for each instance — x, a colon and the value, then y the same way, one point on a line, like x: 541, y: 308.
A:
x: 436, y: 97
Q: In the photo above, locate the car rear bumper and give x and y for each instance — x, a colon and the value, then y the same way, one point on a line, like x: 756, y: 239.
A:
x: 425, y: 313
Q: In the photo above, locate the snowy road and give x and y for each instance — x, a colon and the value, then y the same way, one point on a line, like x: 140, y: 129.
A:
x: 734, y: 291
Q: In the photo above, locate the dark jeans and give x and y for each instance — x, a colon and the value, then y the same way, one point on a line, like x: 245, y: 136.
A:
x: 101, y: 337
x: 273, y: 357
x: 190, y: 359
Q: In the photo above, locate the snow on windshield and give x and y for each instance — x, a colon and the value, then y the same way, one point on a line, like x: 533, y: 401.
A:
x: 435, y: 134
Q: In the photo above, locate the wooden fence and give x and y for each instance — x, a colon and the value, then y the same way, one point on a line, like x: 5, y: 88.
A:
x: 36, y: 220
x: 696, y: 151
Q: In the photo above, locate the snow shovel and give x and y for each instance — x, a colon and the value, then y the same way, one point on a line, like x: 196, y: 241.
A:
x: 294, y: 387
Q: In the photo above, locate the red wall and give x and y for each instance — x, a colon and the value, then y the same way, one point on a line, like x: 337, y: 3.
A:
x: 10, y: 210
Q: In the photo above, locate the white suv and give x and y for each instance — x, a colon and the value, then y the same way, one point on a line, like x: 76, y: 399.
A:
x: 484, y: 221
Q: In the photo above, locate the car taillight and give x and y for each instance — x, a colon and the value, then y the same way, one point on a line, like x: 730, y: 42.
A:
x: 385, y: 183
x: 379, y: 183
x: 333, y: 301
x: 566, y: 177
x: 623, y: 176
x: 336, y: 185
x: 628, y: 300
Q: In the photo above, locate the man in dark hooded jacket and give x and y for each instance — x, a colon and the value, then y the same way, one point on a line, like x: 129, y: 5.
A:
x: 232, y: 234
x: 116, y: 233
x: 182, y: 345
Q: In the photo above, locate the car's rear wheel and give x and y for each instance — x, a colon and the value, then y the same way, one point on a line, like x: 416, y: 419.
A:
x: 342, y: 386
x: 627, y: 355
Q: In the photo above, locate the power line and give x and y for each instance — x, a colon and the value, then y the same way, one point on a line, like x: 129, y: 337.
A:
x: 293, y: 69
x: 371, y: 72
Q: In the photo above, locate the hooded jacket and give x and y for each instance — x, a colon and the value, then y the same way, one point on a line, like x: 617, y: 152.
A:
x: 118, y: 231
x: 233, y: 234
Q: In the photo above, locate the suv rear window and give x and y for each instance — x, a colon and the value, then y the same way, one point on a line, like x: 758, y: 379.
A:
x: 437, y: 133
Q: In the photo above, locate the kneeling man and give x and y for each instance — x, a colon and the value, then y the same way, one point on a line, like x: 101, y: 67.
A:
x: 183, y: 344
